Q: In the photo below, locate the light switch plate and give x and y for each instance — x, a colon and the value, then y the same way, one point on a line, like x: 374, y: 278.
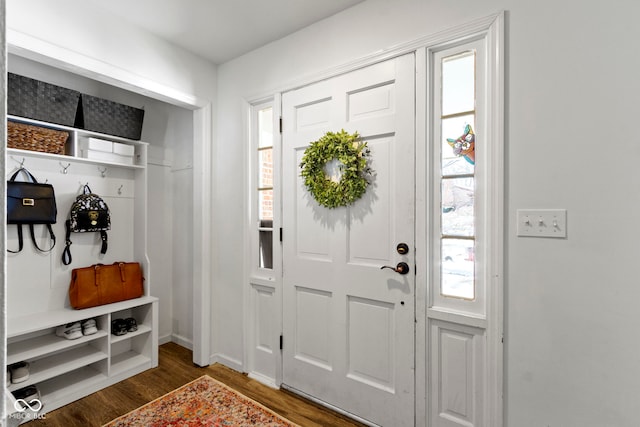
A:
x: 542, y: 222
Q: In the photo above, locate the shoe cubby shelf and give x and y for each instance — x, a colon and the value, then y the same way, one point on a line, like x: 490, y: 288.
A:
x: 61, y: 363
x: 45, y: 344
x: 126, y: 362
x: 74, y: 385
x: 64, y: 369
x: 77, y: 146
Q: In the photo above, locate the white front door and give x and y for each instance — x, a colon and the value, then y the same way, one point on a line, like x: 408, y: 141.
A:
x: 348, y: 333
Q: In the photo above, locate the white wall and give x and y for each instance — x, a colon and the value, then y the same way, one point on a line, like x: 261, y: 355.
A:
x: 571, y: 110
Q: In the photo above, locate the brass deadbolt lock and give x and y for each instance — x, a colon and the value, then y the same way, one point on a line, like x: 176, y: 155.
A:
x: 402, y: 248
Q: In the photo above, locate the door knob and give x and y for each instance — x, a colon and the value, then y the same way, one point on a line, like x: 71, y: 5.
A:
x: 401, y: 268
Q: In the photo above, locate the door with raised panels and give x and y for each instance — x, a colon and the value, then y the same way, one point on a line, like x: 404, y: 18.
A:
x: 348, y: 324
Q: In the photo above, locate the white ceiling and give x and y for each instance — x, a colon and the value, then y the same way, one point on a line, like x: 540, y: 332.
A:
x: 220, y: 30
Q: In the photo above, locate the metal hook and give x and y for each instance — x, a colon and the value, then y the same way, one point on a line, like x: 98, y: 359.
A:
x: 103, y: 172
x: 64, y: 168
x: 20, y: 162
x: 120, y: 189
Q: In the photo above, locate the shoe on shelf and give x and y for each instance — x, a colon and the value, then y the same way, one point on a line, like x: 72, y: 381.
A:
x: 70, y: 331
x: 132, y: 325
x: 19, y: 372
x: 89, y: 327
x: 118, y: 327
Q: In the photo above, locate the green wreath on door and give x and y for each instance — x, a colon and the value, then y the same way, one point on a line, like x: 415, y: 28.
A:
x: 352, y: 156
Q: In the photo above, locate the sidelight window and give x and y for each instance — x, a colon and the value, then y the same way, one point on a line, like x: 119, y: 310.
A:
x: 457, y: 245
x: 457, y: 207
x: 263, y: 178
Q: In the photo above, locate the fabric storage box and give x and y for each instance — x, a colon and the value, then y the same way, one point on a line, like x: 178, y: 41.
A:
x: 108, y: 117
x: 36, y: 138
x: 38, y: 100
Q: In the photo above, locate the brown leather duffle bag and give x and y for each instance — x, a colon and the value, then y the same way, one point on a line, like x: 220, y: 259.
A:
x: 105, y: 284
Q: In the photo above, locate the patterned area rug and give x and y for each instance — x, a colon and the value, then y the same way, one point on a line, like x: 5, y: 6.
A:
x: 204, y: 402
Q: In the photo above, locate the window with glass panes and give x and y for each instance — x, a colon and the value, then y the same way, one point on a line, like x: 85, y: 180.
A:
x: 457, y: 175
x: 265, y: 186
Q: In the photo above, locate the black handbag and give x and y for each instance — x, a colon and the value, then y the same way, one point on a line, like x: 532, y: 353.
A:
x: 30, y: 203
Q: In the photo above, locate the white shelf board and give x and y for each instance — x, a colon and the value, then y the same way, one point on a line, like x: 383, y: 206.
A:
x: 60, y: 363
x: 21, y: 325
x: 127, y: 361
x: 45, y: 344
x: 58, y: 389
x: 82, y: 132
x: 142, y: 329
x: 66, y: 158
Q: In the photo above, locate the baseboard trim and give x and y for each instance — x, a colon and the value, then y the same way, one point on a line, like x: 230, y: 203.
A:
x: 180, y: 340
x: 227, y: 361
x: 164, y: 339
x: 269, y: 382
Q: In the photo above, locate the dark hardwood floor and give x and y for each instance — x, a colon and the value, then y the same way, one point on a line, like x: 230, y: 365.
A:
x: 175, y: 369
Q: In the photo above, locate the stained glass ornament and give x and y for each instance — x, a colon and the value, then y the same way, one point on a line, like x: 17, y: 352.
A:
x: 465, y: 145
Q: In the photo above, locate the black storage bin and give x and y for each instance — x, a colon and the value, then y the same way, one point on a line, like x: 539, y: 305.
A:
x: 38, y: 100
x: 100, y: 115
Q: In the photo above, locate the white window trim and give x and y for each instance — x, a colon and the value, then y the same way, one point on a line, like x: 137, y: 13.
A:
x: 477, y: 306
x: 491, y: 30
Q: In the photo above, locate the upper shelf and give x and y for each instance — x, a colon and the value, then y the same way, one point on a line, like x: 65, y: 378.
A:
x: 90, y: 147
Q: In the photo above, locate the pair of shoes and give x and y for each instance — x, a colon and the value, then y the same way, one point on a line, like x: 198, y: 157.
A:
x: 122, y: 326
x: 75, y: 330
x: 26, y: 397
x: 18, y: 372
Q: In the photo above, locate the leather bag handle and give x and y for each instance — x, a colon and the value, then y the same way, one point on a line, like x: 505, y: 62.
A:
x: 122, y: 272
x: 26, y: 172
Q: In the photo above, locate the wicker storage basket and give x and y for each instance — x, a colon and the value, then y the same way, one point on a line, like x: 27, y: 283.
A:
x: 41, y: 101
x: 35, y: 138
x: 104, y: 116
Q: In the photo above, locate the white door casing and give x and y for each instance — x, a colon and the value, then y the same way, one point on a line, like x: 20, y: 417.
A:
x: 459, y: 342
x: 349, y: 326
